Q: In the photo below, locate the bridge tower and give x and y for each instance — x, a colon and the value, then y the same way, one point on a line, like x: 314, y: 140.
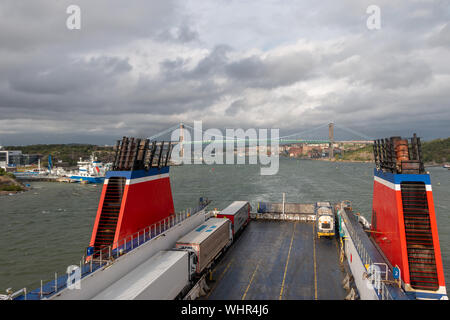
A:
x: 331, y: 138
x: 181, y: 140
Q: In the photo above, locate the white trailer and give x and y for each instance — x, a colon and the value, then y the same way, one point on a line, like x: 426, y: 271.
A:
x: 207, y: 241
x: 162, y: 277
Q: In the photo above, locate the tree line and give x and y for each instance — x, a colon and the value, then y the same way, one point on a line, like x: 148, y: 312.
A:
x: 67, y: 153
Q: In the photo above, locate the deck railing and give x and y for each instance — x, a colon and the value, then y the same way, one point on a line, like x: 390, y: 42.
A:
x: 382, y: 290
x: 104, y: 256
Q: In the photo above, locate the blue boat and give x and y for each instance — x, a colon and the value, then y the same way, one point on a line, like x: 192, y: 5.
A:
x: 90, y: 171
x: 88, y: 179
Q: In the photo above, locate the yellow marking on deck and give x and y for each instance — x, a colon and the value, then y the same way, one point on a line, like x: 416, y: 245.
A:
x: 287, y: 262
x: 251, y: 280
x: 228, y: 265
x: 221, y: 275
x: 315, y: 265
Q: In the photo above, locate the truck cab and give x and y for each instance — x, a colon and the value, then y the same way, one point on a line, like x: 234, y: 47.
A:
x: 324, y: 219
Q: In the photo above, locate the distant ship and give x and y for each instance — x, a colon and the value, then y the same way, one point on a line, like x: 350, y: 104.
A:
x: 447, y: 166
x: 90, y: 171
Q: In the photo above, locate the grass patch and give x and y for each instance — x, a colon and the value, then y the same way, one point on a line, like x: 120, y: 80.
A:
x: 11, y: 187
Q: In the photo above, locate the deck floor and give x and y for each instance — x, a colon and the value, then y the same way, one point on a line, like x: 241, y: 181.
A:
x: 274, y: 260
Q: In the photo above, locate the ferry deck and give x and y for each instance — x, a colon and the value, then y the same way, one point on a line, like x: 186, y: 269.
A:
x: 279, y: 260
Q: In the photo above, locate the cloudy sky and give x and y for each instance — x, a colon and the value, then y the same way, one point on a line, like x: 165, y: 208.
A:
x: 139, y: 67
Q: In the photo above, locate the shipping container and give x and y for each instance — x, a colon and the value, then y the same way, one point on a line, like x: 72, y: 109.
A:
x: 239, y: 214
x: 162, y: 277
x: 207, y: 241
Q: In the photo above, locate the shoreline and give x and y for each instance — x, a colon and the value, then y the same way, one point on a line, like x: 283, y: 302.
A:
x: 334, y: 160
x: 342, y: 160
x: 427, y: 164
x: 11, y: 182
x: 9, y: 193
x: 12, y: 192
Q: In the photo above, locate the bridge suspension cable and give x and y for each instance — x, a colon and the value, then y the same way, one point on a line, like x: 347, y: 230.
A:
x: 298, y: 134
x: 232, y: 138
x: 305, y: 131
x: 359, y: 134
x: 163, y: 132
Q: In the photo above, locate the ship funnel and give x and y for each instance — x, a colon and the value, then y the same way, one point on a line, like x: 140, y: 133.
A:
x: 403, y: 216
x: 397, y: 155
x: 136, y: 192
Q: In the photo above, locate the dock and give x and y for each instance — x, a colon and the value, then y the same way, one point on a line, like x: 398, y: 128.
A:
x: 42, y: 178
x: 279, y: 260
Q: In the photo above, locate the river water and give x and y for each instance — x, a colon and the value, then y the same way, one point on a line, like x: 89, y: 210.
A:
x: 44, y: 230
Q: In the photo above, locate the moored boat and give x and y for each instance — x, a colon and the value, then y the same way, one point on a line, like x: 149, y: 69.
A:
x: 90, y: 171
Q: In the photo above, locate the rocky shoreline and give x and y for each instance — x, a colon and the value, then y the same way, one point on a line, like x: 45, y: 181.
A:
x: 9, y: 185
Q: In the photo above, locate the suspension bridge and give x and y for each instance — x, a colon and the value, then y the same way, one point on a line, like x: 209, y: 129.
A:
x: 182, y: 133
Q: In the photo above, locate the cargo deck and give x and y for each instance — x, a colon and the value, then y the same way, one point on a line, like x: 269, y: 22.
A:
x: 279, y: 260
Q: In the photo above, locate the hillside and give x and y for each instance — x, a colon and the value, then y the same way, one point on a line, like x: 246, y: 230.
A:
x: 68, y: 153
x: 434, y: 152
x: 363, y: 154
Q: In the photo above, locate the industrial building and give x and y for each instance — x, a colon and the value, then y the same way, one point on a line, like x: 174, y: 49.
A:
x: 14, y: 158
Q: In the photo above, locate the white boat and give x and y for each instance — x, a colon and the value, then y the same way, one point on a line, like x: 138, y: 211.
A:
x: 92, y: 170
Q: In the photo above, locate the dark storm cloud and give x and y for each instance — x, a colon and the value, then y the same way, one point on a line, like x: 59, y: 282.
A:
x: 71, y: 88
x: 179, y: 88
x: 34, y: 25
x: 386, y: 72
x: 235, y: 107
x: 75, y: 76
x: 158, y: 97
x: 272, y: 72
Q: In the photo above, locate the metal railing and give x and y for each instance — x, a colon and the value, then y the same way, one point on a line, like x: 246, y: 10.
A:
x: 382, y: 291
x: 106, y: 256
x: 134, y: 240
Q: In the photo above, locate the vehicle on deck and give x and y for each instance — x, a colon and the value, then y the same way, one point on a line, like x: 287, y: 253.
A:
x: 207, y: 241
x: 238, y: 213
x: 324, y: 219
